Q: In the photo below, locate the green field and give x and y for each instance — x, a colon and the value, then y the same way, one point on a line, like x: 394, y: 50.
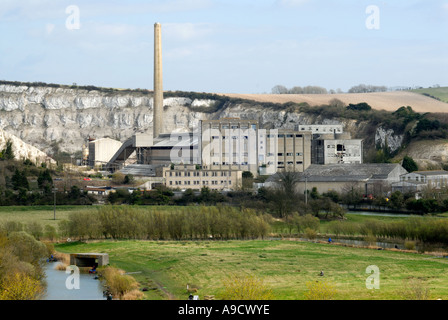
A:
x: 41, y: 214
x: 284, y: 266
x: 440, y: 93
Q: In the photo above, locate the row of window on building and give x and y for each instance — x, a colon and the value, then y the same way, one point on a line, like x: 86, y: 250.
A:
x: 197, y: 182
x: 198, y: 174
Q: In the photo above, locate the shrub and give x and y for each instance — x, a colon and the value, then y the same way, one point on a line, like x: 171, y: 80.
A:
x: 245, y: 288
x: 120, y: 285
x: 310, y: 234
x: 320, y: 291
x: 370, y: 239
x: 20, y: 287
x: 409, y: 245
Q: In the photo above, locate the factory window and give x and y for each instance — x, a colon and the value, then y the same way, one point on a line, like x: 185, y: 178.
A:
x: 230, y: 182
x: 171, y: 183
x: 253, y: 126
x: 235, y: 163
x: 299, y: 135
x: 246, y: 137
x: 280, y: 154
x: 289, y: 136
x: 299, y: 154
x: 299, y: 162
x: 215, y: 137
x: 225, y: 163
x: 216, y: 163
x: 290, y: 154
x: 224, y: 126
x: 280, y: 163
x: 234, y: 137
x: 171, y: 174
x: 271, y: 136
x: 340, y: 147
x: 244, y: 163
x: 281, y: 135
x: 235, y: 127
x: 270, y: 154
x: 290, y: 162
x: 224, y: 137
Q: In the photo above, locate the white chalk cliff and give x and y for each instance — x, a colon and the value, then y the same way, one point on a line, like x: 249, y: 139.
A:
x: 22, y: 150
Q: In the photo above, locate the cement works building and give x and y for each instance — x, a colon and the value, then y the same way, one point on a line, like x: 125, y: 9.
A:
x: 232, y: 144
x: 192, y: 177
x: 368, y: 178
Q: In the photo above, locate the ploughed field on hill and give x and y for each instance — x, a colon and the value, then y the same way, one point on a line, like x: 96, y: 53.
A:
x: 389, y: 101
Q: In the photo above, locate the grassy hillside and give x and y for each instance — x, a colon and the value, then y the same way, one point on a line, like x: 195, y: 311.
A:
x: 435, y: 93
x: 284, y: 266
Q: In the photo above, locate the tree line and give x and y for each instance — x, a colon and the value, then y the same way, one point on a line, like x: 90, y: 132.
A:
x: 190, y: 223
x: 422, y: 229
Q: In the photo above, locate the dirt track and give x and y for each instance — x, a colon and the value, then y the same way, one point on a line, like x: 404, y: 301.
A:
x: 389, y: 101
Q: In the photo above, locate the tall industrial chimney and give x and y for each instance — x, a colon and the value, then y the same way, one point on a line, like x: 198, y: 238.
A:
x: 158, y: 86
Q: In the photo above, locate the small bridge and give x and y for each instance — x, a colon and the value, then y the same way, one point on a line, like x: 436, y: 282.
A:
x: 89, y: 259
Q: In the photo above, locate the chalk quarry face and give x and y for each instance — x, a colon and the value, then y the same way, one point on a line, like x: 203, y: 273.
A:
x: 41, y: 115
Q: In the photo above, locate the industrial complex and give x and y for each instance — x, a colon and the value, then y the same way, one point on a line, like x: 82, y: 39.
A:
x: 217, y: 152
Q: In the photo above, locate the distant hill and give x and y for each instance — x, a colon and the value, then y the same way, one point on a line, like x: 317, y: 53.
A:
x: 389, y: 101
x: 440, y: 93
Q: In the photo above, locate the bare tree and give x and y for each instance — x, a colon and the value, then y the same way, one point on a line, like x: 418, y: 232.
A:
x: 279, y: 89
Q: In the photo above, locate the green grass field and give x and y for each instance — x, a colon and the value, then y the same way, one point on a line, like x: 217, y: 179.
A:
x: 41, y: 214
x: 284, y: 266
x: 440, y: 93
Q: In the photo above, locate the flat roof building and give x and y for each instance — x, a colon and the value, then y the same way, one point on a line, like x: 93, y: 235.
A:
x: 192, y: 177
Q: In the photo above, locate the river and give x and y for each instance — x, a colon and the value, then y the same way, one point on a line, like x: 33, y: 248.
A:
x: 380, y: 214
x: 89, y: 287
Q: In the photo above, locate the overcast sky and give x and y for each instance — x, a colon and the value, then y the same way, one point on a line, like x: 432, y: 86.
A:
x: 243, y: 46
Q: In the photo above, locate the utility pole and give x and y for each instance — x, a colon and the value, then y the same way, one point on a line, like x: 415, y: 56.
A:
x: 306, y: 190
x: 54, y: 209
